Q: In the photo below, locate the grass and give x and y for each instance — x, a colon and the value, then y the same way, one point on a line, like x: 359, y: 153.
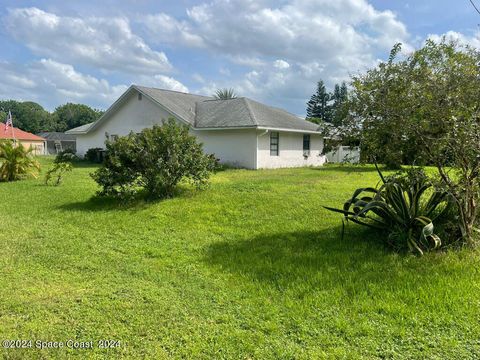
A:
x: 252, y: 268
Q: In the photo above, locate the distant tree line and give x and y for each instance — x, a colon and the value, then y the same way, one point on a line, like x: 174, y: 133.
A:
x: 32, y: 117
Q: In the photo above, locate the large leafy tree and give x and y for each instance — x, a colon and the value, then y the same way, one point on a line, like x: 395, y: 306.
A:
x: 27, y: 115
x: 71, y: 115
x: 426, y: 108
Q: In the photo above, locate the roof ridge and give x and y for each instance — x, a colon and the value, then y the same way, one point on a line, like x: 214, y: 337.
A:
x: 235, y: 98
x: 250, y: 111
x: 175, y: 91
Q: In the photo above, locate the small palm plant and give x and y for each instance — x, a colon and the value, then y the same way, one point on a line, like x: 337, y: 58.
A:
x: 16, y: 162
x: 225, y: 94
x: 405, y: 206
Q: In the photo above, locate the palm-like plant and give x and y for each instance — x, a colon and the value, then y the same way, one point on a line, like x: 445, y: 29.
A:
x: 405, y: 206
x: 16, y: 162
x: 225, y: 94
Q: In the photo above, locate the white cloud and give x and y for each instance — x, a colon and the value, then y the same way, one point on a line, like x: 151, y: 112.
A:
x: 281, y: 64
x: 298, y: 30
x: 164, y: 28
x: 52, y: 83
x: 286, y: 46
x: 105, y: 43
x: 162, y: 82
x: 462, y: 39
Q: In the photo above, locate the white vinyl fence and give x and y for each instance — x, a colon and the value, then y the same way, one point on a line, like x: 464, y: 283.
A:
x: 344, y: 154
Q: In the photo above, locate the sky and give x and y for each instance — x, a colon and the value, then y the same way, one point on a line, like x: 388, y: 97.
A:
x: 53, y: 52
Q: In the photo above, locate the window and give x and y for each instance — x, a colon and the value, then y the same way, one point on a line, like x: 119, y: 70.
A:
x: 306, y: 144
x: 113, y: 138
x: 139, y: 96
x: 274, y: 137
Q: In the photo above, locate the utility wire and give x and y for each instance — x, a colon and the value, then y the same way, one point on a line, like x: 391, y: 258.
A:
x: 475, y: 6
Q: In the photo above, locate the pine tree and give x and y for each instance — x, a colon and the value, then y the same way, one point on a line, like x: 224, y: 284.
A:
x: 339, y: 110
x: 318, y: 107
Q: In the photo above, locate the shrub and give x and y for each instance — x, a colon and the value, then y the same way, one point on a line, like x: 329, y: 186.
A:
x: 67, y: 155
x: 155, y: 160
x: 404, y: 206
x: 93, y: 155
x: 55, y: 174
x: 16, y: 162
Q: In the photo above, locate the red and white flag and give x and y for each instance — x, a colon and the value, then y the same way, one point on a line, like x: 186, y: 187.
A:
x: 9, y: 122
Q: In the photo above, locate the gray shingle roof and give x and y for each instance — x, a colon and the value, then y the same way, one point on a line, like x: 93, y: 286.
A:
x: 57, y: 136
x: 245, y: 112
x: 181, y: 104
x: 204, y: 112
x: 224, y: 113
x: 80, y: 129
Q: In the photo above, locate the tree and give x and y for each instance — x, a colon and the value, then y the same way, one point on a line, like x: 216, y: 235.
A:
x: 16, y: 162
x: 340, y: 104
x: 377, y: 103
x: 71, y: 115
x: 155, y: 160
x: 27, y: 115
x: 318, y: 105
x: 425, y: 107
x: 225, y: 94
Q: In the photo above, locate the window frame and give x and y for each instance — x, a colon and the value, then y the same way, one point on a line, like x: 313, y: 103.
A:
x: 306, y: 140
x: 274, y: 143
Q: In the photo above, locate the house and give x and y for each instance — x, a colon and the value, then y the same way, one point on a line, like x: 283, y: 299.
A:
x: 24, y: 138
x: 240, y: 132
x: 59, y: 141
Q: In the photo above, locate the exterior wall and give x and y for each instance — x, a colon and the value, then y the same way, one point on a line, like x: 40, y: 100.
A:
x: 38, y: 146
x: 134, y: 115
x: 233, y: 147
x: 290, y: 151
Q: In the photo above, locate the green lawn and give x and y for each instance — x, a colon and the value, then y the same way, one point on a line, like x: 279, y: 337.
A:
x: 250, y: 268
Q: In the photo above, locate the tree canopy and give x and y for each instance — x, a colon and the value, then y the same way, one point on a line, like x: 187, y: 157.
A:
x: 32, y: 117
x: 425, y: 109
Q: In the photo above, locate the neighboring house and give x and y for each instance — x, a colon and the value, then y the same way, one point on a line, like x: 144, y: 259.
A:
x: 26, y: 139
x: 59, y: 141
x: 240, y: 132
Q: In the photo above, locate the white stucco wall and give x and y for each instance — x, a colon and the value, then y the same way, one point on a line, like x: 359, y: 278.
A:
x: 290, y: 151
x: 134, y: 115
x: 233, y: 147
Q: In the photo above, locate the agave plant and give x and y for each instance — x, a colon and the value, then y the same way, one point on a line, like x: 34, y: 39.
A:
x: 16, y: 162
x: 405, y: 205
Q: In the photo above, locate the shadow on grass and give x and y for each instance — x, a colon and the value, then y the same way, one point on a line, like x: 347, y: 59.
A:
x: 97, y: 203
x: 138, y: 201
x: 302, y: 256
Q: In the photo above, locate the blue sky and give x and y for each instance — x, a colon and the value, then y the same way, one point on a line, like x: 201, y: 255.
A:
x: 272, y: 51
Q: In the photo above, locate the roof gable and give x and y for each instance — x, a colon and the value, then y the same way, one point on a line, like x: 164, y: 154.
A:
x: 181, y: 104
